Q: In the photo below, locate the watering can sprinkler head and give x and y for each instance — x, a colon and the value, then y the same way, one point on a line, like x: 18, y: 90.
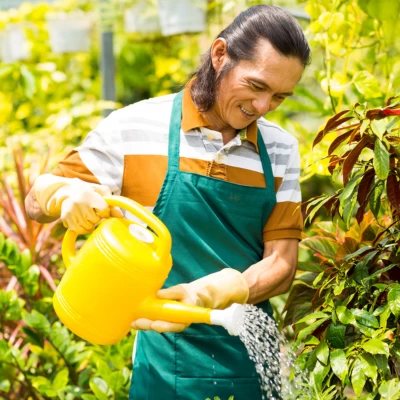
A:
x: 232, y: 318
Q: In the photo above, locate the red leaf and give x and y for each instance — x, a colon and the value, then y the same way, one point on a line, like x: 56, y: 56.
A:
x: 360, y: 212
x: 334, y: 119
x: 393, y: 191
x: 332, y: 164
x: 365, y: 185
x: 334, y: 122
x: 340, y: 139
x: 387, y: 112
x: 352, y: 158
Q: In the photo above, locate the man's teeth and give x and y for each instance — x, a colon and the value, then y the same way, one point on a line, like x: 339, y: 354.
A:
x: 246, y: 112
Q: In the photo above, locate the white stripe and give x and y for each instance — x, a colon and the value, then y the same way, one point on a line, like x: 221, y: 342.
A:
x: 288, y: 195
x: 99, y: 172
x: 243, y: 162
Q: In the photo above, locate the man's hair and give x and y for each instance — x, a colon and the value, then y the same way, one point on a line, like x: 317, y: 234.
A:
x: 242, y: 36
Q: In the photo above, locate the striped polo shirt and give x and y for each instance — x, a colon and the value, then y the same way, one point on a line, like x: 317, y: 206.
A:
x: 128, y: 152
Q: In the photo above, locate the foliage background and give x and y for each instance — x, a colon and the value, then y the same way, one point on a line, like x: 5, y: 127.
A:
x: 49, y: 102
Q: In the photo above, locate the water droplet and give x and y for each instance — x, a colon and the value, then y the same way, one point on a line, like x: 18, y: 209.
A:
x: 279, y: 376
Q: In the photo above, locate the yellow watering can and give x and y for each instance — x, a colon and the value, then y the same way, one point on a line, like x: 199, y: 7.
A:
x: 114, y: 278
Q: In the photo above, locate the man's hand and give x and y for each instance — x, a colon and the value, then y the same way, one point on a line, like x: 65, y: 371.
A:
x: 217, y: 291
x: 79, y: 204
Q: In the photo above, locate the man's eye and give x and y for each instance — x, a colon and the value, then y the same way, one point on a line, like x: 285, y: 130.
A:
x: 280, y: 98
x: 255, y: 87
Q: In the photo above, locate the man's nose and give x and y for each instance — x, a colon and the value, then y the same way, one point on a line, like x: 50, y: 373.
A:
x: 262, y: 103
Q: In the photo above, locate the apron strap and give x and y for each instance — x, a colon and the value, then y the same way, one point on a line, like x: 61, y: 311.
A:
x: 175, y: 133
x: 265, y: 161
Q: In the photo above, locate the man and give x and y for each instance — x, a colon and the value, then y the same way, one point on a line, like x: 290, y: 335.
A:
x: 223, y: 180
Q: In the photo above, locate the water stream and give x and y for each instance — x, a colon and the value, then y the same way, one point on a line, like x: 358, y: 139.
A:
x: 279, y: 376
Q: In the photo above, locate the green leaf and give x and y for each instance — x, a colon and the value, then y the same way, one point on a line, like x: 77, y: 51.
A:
x: 116, y: 381
x: 335, y: 335
x: 5, y: 71
x: 378, y: 273
x: 324, y: 246
x: 348, y: 209
x: 344, y: 315
x: 104, y: 370
x: 319, y: 373
x: 318, y: 278
x: 358, y: 378
x: 30, y: 280
x: 382, y: 363
x: 88, y: 397
x: 375, y: 200
x: 339, y: 364
x: 338, y: 289
x: 350, y: 189
x: 33, y: 337
x: 383, y: 317
x: 5, y: 385
x: 37, y: 321
x: 383, y: 9
x: 358, y: 252
x: 367, y: 84
x: 381, y: 160
x: 378, y: 127
x: 28, y: 81
x: 322, y: 352
x: 376, y: 346
x: 390, y: 390
x: 365, y: 318
x: 99, y: 388
x: 309, y: 266
x: 310, y: 329
x: 41, y: 383
x: 368, y: 366
x: 60, y: 337
x: 309, y: 317
x: 360, y: 272
x: 312, y: 340
x: 61, y: 380
x: 365, y: 330
x: 394, y: 300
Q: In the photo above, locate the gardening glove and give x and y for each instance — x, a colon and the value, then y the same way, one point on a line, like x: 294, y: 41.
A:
x: 217, y: 291
x: 79, y: 204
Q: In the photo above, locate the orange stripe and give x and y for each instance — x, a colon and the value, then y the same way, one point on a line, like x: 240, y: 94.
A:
x: 236, y: 175
x: 285, y: 222
x: 143, y: 178
x: 73, y: 167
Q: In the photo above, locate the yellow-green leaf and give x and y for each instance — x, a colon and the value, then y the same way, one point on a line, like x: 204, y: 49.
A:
x: 381, y: 160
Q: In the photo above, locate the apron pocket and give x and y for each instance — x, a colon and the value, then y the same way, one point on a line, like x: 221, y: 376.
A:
x: 207, y: 356
x: 204, y: 388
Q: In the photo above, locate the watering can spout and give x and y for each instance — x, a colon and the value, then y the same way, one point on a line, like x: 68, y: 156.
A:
x: 173, y: 311
x: 232, y: 318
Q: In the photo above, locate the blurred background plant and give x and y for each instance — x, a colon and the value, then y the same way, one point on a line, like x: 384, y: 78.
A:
x: 50, y: 101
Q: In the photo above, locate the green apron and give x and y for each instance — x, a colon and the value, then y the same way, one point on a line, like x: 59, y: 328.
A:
x: 214, y: 224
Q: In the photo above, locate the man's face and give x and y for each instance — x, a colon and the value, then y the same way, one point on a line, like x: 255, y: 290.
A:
x: 253, y: 88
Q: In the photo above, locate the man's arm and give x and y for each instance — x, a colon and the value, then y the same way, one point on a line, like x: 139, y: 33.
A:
x: 274, y: 274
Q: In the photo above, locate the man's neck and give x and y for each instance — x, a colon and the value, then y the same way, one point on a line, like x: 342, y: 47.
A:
x: 228, y: 133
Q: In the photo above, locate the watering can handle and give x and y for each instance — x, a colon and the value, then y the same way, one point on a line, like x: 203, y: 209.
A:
x: 164, y: 244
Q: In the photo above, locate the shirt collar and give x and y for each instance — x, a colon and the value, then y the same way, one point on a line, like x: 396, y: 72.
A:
x: 192, y: 118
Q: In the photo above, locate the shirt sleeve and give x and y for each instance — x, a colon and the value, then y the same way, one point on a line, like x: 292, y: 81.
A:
x: 285, y: 221
x: 97, y: 160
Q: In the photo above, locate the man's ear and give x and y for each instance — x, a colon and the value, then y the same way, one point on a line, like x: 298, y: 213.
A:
x: 219, y: 54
